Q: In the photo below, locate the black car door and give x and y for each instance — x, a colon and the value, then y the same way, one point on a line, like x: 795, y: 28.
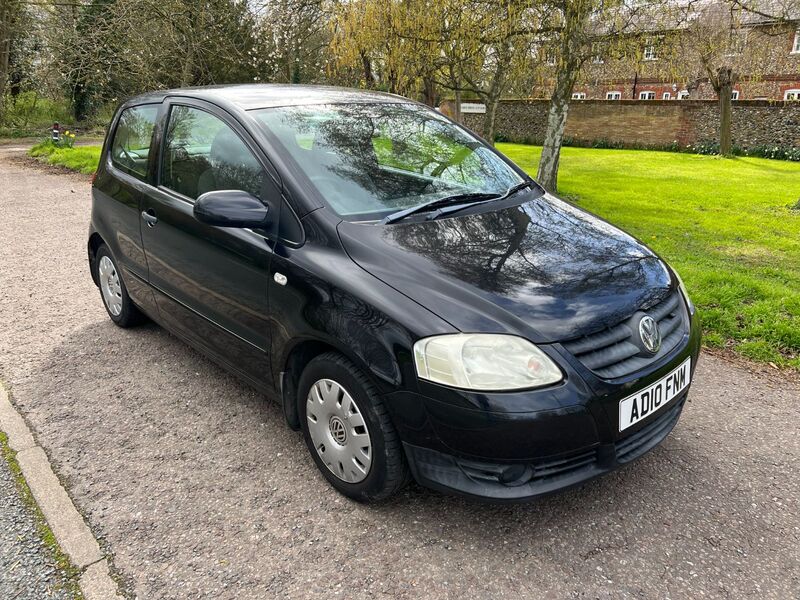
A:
x: 121, y: 183
x: 211, y: 282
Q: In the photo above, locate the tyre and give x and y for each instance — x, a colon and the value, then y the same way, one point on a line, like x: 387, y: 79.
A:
x: 348, y: 431
x: 119, y: 305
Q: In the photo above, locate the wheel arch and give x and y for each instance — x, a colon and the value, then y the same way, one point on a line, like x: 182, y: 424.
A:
x: 295, y: 360
x: 94, y: 243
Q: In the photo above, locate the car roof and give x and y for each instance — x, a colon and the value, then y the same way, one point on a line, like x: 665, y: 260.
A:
x: 251, y: 96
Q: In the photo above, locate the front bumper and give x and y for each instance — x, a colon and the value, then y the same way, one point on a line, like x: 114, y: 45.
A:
x: 526, y: 480
x: 515, y: 446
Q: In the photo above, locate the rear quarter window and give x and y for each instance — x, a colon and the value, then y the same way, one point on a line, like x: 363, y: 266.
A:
x: 133, y: 136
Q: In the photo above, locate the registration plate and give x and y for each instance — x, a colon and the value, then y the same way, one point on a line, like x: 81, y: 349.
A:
x: 654, y: 397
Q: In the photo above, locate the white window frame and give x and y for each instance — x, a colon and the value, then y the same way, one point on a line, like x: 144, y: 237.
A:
x: 550, y: 56
x: 579, y: 95
x: 683, y: 95
x: 615, y: 95
x: 795, y: 93
x: 735, y: 95
x: 647, y: 95
x: 650, y: 50
x: 796, y: 44
x: 666, y: 96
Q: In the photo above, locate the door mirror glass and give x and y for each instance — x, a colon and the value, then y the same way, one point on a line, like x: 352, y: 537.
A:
x: 231, y: 208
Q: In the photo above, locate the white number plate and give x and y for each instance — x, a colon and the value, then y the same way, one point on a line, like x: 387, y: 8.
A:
x: 654, y: 397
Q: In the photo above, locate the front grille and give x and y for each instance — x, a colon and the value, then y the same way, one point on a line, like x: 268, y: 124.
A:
x: 565, y: 466
x: 643, y: 440
x: 539, y: 471
x: 611, y: 353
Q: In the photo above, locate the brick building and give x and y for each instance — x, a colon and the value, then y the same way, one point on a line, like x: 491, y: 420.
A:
x: 764, y: 52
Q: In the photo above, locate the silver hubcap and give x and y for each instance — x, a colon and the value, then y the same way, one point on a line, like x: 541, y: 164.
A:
x: 338, y: 431
x: 110, y: 286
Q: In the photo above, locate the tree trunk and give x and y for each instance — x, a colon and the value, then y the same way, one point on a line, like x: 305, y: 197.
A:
x: 429, y: 91
x: 6, y: 31
x: 492, y: 97
x: 553, y: 138
x: 554, y: 135
x: 366, y: 64
x: 725, y: 78
x: 457, y: 108
x: 489, y: 119
x: 5, y: 51
x: 576, y: 17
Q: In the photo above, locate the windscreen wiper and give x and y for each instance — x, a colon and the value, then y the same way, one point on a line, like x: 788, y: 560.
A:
x: 455, y: 199
x: 451, y: 209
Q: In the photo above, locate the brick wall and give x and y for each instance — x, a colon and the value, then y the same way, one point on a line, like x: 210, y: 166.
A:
x: 650, y: 123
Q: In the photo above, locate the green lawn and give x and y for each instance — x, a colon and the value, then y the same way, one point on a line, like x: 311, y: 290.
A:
x: 724, y: 224
x: 80, y: 158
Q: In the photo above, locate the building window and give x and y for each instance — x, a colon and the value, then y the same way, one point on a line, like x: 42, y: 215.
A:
x: 683, y: 95
x: 791, y: 95
x: 579, y: 95
x: 666, y: 96
x: 597, y: 53
x: 650, y: 49
x: 796, y: 45
x: 735, y: 95
x: 550, y: 56
x: 613, y: 95
x: 647, y: 95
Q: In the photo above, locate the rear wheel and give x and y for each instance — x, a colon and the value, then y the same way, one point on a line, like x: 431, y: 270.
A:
x: 119, y: 305
x: 348, y: 431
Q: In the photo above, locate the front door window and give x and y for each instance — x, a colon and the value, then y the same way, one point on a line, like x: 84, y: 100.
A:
x: 203, y: 154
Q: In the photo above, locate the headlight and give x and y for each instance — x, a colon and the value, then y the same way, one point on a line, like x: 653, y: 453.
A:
x: 683, y: 289
x: 481, y: 361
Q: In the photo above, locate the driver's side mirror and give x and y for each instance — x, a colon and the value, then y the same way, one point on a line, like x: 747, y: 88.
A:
x: 231, y: 208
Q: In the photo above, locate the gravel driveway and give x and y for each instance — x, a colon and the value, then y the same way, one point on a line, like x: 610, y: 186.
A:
x: 195, y: 484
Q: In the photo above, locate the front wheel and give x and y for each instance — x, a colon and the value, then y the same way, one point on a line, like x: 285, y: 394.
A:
x: 348, y: 431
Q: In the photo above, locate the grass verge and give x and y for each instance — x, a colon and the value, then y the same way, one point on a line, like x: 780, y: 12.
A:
x: 83, y: 159
x: 70, y: 573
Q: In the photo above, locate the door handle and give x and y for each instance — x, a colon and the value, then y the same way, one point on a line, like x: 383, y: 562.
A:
x: 149, y: 217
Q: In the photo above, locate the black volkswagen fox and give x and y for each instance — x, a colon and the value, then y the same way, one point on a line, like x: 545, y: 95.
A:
x: 413, y: 300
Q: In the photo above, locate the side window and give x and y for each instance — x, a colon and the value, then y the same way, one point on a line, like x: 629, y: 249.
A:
x: 130, y: 149
x: 202, y: 154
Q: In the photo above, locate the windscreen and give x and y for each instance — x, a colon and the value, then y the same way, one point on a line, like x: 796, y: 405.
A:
x: 369, y: 160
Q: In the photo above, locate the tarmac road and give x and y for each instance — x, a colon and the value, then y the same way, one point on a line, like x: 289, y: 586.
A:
x: 196, y: 486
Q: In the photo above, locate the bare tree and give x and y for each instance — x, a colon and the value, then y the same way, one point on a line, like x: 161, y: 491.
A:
x: 414, y: 47
x: 724, y: 42
x: 576, y: 31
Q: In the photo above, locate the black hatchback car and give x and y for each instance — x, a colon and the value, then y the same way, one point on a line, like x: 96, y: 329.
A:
x: 416, y: 303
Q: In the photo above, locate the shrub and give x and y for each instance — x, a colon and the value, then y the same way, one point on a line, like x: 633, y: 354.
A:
x: 775, y: 152
x: 710, y: 147
x: 607, y: 144
x: 29, y: 112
